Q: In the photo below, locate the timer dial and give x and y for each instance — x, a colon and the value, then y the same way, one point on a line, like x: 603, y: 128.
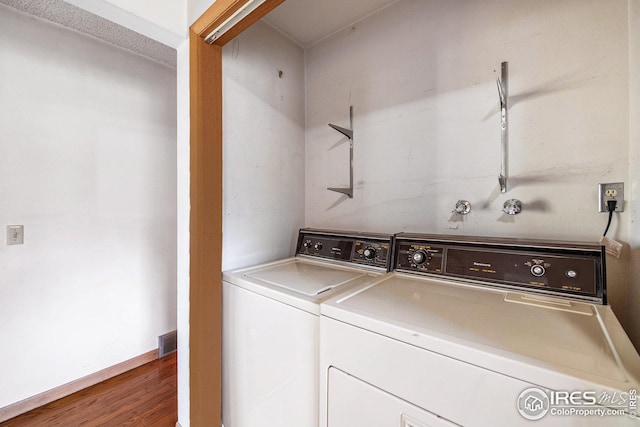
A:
x: 369, y: 253
x: 420, y: 257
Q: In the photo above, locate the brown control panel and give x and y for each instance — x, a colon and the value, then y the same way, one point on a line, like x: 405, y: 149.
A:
x: 359, y: 248
x: 565, y: 269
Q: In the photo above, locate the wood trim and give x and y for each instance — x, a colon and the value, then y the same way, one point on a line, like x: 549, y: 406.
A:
x: 205, y: 226
x: 215, y: 15
x: 64, y: 390
x: 205, y: 294
x: 223, y: 9
x: 251, y: 19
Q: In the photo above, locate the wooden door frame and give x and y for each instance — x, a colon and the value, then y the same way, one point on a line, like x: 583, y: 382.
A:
x: 205, y: 218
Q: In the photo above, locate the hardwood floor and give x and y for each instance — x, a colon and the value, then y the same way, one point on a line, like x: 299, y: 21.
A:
x: 143, y: 397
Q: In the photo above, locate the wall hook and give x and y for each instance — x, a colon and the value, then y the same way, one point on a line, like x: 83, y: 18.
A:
x: 503, y: 94
x: 349, y: 134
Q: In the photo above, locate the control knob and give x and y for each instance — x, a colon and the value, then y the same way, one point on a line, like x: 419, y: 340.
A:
x: 318, y: 246
x: 307, y: 244
x: 369, y: 253
x: 538, y: 270
x: 420, y: 257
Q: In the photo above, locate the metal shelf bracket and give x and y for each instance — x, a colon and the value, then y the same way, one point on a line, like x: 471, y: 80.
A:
x: 503, y: 93
x: 349, y: 134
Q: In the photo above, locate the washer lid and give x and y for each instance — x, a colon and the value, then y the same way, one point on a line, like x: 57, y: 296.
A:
x: 305, y: 277
x: 448, y: 317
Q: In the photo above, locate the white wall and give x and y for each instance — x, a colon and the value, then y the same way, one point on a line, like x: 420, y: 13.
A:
x: 421, y: 76
x: 263, y: 127
x: 88, y: 165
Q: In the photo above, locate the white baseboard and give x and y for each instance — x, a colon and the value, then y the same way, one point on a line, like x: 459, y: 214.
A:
x: 64, y: 390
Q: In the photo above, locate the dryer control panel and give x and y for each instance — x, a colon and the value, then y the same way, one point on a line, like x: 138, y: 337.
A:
x: 351, y: 247
x: 568, y: 269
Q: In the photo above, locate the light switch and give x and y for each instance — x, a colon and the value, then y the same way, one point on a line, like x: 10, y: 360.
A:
x: 15, y: 234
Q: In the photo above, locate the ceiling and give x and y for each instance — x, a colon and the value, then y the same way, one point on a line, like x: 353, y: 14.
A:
x: 306, y: 22
x: 70, y: 16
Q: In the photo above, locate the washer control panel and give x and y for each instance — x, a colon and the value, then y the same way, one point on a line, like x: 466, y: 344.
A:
x: 359, y: 248
x: 565, y: 269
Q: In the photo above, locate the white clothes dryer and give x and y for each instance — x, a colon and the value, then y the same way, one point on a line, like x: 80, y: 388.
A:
x: 479, y: 332
x: 271, y: 325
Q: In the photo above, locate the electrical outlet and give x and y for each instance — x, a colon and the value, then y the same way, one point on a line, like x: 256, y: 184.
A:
x: 613, y: 191
x: 15, y: 234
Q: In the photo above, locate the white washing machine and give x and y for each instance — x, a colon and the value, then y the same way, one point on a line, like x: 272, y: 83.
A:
x: 479, y: 332
x: 271, y: 325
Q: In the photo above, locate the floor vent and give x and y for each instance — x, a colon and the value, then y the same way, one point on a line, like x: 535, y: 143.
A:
x: 167, y: 343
